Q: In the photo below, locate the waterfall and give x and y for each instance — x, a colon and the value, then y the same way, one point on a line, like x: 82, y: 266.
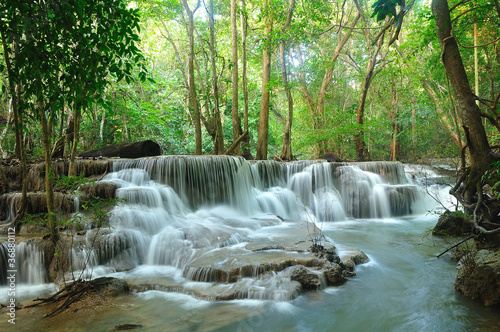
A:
x: 30, y: 264
x: 213, y: 219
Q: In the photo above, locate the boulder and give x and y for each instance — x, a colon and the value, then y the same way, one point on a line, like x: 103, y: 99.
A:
x: 353, y: 257
x: 139, y: 149
x: 308, y: 278
x: 331, y: 157
x: 453, y: 224
x: 478, y: 276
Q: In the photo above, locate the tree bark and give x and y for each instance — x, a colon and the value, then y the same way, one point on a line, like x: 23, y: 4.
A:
x: 49, y: 176
x: 480, y: 155
x: 192, y: 88
x: 18, y: 124
x: 246, y: 141
x: 219, y: 139
x: 234, y: 84
x: 286, y: 148
x: 362, y: 153
x: 266, y: 77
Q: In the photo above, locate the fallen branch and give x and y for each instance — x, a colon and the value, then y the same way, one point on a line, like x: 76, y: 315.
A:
x: 456, y: 245
x: 236, y: 143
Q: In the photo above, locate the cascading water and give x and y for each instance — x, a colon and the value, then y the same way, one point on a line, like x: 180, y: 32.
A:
x: 195, y: 216
x: 193, y: 231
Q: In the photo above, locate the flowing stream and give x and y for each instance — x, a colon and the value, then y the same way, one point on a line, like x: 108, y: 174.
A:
x: 203, y: 241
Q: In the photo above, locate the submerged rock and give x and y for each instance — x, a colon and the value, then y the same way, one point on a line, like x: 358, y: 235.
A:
x: 478, y: 276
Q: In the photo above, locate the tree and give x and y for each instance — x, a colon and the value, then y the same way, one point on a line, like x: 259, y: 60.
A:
x: 14, y: 91
x: 374, y: 59
x: 234, y: 84
x: 83, y: 43
x: 193, y: 102
x: 316, y: 100
x: 219, y: 138
x: 286, y: 148
x: 266, y: 78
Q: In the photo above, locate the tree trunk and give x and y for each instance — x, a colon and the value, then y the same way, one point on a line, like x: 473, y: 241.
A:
x: 480, y: 155
x: 445, y: 121
x: 245, y: 144
x: 219, y: 139
x: 193, y: 102
x: 234, y: 84
x: 317, y: 107
x: 468, y: 110
x: 49, y: 176
x: 286, y: 148
x: 76, y: 138
x: 394, y: 148
x: 15, y: 92
x: 362, y: 153
x: 266, y: 77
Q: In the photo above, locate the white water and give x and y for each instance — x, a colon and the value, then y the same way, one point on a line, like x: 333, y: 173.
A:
x: 180, y: 208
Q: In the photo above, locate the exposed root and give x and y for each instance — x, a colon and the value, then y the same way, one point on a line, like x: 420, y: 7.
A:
x: 73, y: 292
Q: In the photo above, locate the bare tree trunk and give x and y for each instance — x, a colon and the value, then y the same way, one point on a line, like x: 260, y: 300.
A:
x: 359, y: 138
x: 101, y: 128
x: 234, y: 84
x: 76, y: 138
x: 192, y: 89
x: 246, y: 141
x: 266, y: 77
x: 219, y: 139
x: 394, y: 148
x: 15, y: 92
x: 49, y: 187
x: 455, y: 137
x: 286, y: 148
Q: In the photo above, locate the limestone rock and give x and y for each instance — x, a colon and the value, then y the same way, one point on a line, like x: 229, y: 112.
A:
x: 308, y: 278
x: 478, y: 276
x: 354, y: 257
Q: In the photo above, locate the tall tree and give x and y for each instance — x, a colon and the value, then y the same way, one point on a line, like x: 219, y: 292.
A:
x: 83, y: 42
x: 480, y: 153
x: 374, y: 60
x: 234, y: 81
x: 14, y: 91
x: 266, y: 78
x: 316, y: 101
x: 286, y: 148
x: 193, y: 101
x: 243, y: 17
x: 219, y: 138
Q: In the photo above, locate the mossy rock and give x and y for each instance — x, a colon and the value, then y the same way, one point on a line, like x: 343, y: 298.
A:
x: 453, y: 224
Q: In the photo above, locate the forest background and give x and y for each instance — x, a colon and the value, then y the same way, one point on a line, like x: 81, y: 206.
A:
x: 197, y: 76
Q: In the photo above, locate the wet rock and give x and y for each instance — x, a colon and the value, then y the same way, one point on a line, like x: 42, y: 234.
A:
x: 478, y: 276
x: 308, y: 278
x: 353, y: 257
x: 334, y: 274
x: 100, y: 189
x: 124, y: 327
x: 229, y: 265
x: 453, y: 224
x: 114, y: 286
